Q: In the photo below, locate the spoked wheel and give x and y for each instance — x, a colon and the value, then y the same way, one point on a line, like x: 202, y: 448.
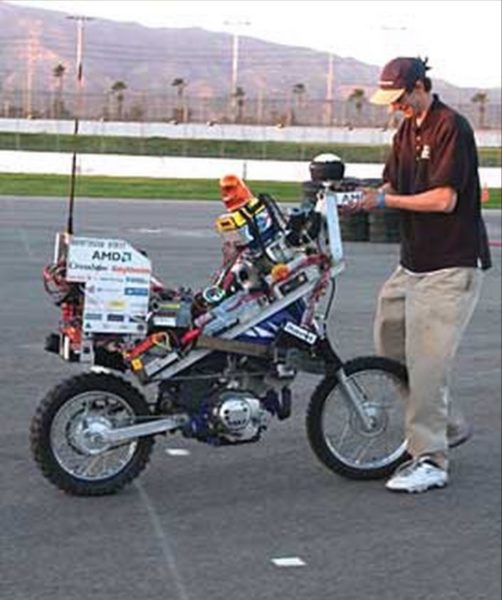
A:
x: 346, y: 444
x: 68, y: 435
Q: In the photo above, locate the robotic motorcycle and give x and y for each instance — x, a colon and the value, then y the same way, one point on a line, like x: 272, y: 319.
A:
x: 221, y: 360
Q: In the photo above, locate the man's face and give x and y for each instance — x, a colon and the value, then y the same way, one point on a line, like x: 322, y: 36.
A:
x: 405, y: 104
x: 410, y: 103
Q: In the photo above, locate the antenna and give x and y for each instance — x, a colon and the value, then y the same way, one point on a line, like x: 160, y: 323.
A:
x: 80, y: 43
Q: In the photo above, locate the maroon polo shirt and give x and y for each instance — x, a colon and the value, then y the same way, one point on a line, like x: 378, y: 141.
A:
x: 441, y: 152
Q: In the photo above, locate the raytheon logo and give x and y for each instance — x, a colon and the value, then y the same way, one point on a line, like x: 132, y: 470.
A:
x: 112, y: 256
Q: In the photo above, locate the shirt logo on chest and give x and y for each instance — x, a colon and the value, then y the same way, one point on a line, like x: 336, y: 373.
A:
x: 426, y: 152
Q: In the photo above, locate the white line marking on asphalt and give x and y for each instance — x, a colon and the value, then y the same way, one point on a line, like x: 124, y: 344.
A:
x: 289, y: 561
x: 177, y: 452
x: 173, y: 231
x: 164, y: 544
x: 38, y: 346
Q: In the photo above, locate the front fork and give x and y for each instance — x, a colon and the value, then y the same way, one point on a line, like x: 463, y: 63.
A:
x: 352, y: 393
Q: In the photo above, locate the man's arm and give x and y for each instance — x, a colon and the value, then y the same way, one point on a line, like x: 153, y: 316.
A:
x: 440, y: 199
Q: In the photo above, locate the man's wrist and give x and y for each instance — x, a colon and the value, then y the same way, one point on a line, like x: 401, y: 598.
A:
x: 380, y: 199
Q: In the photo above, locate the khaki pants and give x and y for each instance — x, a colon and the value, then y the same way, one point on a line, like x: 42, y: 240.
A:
x: 420, y: 321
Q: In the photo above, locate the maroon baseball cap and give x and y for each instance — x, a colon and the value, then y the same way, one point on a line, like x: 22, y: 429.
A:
x: 398, y: 76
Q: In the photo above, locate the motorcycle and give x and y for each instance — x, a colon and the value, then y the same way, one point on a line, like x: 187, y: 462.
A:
x: 220, y: 360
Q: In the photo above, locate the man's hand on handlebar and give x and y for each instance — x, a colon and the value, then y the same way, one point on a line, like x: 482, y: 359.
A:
x: 369, y: 201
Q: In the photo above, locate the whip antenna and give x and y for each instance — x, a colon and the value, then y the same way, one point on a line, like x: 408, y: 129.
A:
x: 78, y: 108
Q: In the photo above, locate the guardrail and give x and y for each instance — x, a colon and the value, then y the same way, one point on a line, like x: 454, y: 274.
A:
x: 343, y: 135
x: 177, y: 167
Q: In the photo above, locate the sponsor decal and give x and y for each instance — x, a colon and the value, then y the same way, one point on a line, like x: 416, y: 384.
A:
x: 169, y: 306
x: 140, y: 306
x: 93, y: 316
x: 116, y: 244
x: 158, y: 363
x: 136, y: 318
x: 108, y: 290
x: 94, y: 268
x: 112, y: 256
x: 115, y: 318
x: 110, y: 279
x: 137, y: 280
x: 165, y: 321
x: 136, y: 291
x: 300, y: 333
x: 90, y: 301
x: 117, y: 304
x: 126, y: 270
x: 88, y: 243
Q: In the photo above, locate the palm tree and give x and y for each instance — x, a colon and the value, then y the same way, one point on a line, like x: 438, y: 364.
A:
x: 298, y: 93
x: 58, y: 105
x: 481, y: 98
x: 117, y: 90
x: 357, y: 98
x: 299, y: 90
x: 180, y: 111
x: 239, y: 96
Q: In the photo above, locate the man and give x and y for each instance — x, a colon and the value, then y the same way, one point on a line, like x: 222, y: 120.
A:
x: 431, y: 176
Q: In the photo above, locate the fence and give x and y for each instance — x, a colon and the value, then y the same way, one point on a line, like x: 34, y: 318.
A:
x: 288, y: 111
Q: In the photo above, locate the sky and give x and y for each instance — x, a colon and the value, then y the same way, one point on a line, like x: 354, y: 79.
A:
x: 461, y: 38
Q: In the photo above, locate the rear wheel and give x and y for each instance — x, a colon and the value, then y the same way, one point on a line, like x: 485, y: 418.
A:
x: 337, y: 433
x: 67, y: 435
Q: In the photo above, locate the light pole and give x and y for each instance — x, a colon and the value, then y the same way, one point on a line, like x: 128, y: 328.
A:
x: 80, y: 68
x: 235, y: 61
x: 329, y: 90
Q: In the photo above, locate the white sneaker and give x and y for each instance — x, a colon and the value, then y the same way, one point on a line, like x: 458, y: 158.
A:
x: 417, y: 475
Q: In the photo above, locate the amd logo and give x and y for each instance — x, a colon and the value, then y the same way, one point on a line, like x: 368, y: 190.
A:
x: 112, y: 256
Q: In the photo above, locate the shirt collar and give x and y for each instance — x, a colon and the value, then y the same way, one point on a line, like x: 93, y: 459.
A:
x: 429, y: 117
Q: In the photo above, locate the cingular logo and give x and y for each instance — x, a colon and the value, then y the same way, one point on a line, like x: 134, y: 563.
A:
x: 78, y: 267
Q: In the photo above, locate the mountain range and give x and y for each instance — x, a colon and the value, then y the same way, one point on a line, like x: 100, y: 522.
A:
x: 148, y: 60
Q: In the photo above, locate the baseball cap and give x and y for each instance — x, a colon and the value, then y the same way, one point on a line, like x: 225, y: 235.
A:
x: 398, y: 76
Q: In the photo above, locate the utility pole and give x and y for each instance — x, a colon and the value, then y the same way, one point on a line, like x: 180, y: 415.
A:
x: 259, y: 107
x: 329, y: 91
x: 78, y: 107
x: 235, y: 61
x: 30, y: 67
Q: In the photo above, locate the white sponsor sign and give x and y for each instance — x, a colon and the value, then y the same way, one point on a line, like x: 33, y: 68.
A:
x: 117, y: 284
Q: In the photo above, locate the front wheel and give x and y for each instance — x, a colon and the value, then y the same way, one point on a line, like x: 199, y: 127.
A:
x: 337, y: 433
x: 67, y: 441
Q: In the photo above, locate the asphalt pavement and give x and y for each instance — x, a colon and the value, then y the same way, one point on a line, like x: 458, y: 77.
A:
x: 208, y: 524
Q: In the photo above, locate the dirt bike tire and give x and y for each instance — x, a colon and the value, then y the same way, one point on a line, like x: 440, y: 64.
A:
x: 315, y: 412
x: 54, y: 401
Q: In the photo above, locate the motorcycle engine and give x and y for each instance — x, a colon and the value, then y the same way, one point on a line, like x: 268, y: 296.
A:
x: 238, y: 416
